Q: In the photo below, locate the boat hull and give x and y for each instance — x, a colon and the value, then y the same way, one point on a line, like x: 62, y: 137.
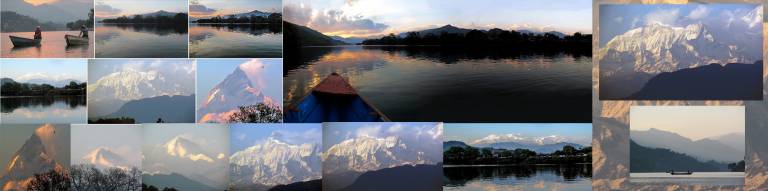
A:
x: 20, y: 41
x: 339, y: 103
x: 75, y: 40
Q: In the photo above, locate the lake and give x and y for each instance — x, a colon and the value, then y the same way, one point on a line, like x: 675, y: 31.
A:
x: 697, y: 178
x: 141, y: 41
x: 53, y: 45
x: 451, y: 85
x: 539, y: 177
x: 37, y: 110
x: 235, y: 41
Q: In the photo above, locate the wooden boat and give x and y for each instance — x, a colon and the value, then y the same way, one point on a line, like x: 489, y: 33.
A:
x: 672, y: 172
x: 333, y: 100
x: 75, y: 40
x: 21, y: 41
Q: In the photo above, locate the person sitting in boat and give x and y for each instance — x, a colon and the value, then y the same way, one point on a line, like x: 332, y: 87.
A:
x: 38, y: 33
x: 83, y: 31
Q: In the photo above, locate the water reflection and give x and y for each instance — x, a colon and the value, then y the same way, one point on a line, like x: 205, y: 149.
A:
x: 236, y: 40
x: 60, y: 109
x: 141, y: 41
x: 565, y: 177
x: 53, y: 45
x: 433, y: 84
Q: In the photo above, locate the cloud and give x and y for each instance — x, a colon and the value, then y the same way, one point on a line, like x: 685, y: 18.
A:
x: 368, y: 131
x: 700, y: 12
x: 351, y: 2
x: 618, y: 19
x: 255, y: 69
x: 104, y: 10
x: 198, y: 9
x: 332, y: 21
x: 520, y: 138
x: 664, y: 17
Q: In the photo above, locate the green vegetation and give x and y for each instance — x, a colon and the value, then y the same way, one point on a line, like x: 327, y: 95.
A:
x: 118, y: 120
x: 51, y: 180
x: 272, y: 18
x: 76, y: 25
x: 12, y: 88
x: 469, y: 155
x: 260, y: 113
x: 13, y: 22
x: 86, y: 177
x: 178, y: 19
x: 737, y: 166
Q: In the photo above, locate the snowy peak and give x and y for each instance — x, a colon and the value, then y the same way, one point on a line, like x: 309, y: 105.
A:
x: 105, y: 158
x: 160, y: 13
x: 275, y: 162
x: 130, y: 84
x: 183, y: 148
x: 237, y: 89
x: 365, y: 153
x: 33, y: 157
x: 254, y: 13
x: 543, y: 140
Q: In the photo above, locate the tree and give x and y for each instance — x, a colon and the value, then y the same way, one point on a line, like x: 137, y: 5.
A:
x: 51, y: 180
x: 487, y: 152
x: 568, y: 150
x: 260, y: 113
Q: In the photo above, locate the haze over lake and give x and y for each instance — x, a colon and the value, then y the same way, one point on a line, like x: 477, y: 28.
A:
x: 53, y: 45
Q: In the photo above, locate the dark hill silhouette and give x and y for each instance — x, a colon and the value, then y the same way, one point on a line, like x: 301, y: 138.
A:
x: 174, y: 181
x: 711, y: 82
x: 300, y: 36
x: 170, y: 109
x: 644, y: 159
x: 401, y: 178
x: 312, y: 185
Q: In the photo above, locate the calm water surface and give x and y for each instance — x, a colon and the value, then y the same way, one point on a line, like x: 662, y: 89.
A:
x: 433, y: 84
x: 141, y: 41
x: 27, y: 110
x: 235, y: 41
x: 699, y: 178
x: 537, y: 178
x: 53, y: 45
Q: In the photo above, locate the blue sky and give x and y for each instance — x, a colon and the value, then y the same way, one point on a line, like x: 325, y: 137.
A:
x: 212, y: 71
x: 49, y: 69
x: 208, y: 8
x: 580, y: 133
x: 247, y: 135
x: 617, y: 19
x: 363, y: 18
x: 422, y: 133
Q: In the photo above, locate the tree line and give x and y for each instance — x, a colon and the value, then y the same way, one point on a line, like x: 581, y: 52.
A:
x: 13, y: 88
x: 87, y: 177
x: 259, y: 113
x: 13, y: 22
x: 179, y: 18
x: 493, y: 37
x: 77, y: 24
x: 272, y: 19
x: 469, y: 155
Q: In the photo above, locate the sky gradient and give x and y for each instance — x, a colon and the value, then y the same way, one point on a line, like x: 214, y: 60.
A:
x: 210, y: 8
x: 579, y: 133
x: 248, y: 135
x: 22, y: 70
x: 123, y: 140
x: 693, y: 122
x: 116, y: 8
x: 364, y: 18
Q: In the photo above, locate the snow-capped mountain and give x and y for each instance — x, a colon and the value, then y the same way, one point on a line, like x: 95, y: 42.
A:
x: 657, y: 48
x: 36, y: 155
x: 104, y: 158
x: 493, y: 138
x: 183, y: 148
x: 275, y: 163
x: 235, y: 90
x: 365, y: 153
x: 131, y: 84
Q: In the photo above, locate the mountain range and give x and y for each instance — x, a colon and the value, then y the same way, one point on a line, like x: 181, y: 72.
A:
x: 35, y: 156
x: 299, y: 36
x: 647, y: 159
x: 698, y: 83
x: 348, y: 40
x: 54, y: 11
x: 171, y: 109
x: 105, y: 158
x: 629, y: 60
x: 538, y: 148
x: 350, y: 158
x: 448, y: 144
x: 234, y: 91
x: 172, y: 160
x: 274, y: 163
x: 450, y: 29
x: 704, y: 149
